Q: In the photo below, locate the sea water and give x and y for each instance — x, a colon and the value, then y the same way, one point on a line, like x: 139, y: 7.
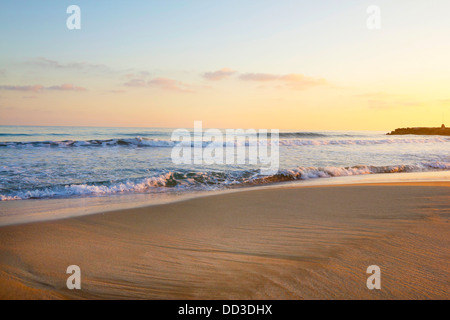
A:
x: 70, y: 162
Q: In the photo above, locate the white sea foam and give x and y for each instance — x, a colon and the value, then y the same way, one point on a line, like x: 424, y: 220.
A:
x: 158, y: 143
x: 214, y: 180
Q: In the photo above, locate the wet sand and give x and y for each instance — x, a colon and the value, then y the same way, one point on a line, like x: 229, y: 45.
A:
x: 282, y: 243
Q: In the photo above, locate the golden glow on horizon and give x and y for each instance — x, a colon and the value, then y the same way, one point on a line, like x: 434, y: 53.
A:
x: 325, y: 71
x: 232, y: 106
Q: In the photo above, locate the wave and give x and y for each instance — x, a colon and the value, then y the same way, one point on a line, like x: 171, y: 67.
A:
x: 301, y: 134
x: 304, y: 173
x: 303, y: 142
x: 14, y: 134
x: 147, y: 142
x: 32, y: 134
x: 179, y: 180
x: 137, y: 142
x: 189, y: 180
x: 156, y: 134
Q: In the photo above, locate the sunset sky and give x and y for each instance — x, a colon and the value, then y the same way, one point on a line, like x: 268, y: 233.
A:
x: 306, y: 65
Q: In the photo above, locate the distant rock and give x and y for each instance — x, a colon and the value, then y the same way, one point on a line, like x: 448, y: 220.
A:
x: 442, y: 131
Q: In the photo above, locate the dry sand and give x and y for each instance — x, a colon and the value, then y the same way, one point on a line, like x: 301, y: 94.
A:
x: 290, y: 243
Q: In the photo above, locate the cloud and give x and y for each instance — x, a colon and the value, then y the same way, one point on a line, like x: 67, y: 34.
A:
x: 170, y: 84
x: 219, y: 74
x: 384, y: 100
x: 138, y: 75
x: 40, y: 88
x: 136, y: 83
x: 293, y: 81
x: 52, y: 64
x: 161, y: 83
x: 35, y: 88
x: 66, y: 87
x: 259, y: 77
x: 137, y: 79
x: 49, y: 64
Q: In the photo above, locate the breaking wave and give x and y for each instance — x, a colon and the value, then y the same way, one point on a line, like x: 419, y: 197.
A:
x: 189, y: 180
x: 157, y: 143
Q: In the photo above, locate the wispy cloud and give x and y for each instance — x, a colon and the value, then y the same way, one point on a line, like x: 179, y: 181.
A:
x: 136, y: 83
x: 259, y: 77
x: 40, y: 88
x: 35, y: 88
x: 172, y: 85
x: 137, y: 75
x: 161, y: 83
x: 293, y: 81
x: 137, y: 79
x: 66, y: 87
x: 49, y: 64
x: 53, y: 64
x: 384, y: 100
x: 219, y: 74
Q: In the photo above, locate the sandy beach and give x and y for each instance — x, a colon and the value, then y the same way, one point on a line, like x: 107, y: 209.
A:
x: 284, y: 243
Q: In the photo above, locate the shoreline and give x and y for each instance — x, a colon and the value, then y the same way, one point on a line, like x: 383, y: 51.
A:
x: 312, y: 242
x: 38, y: 210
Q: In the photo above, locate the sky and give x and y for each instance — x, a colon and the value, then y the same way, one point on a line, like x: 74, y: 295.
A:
x: 304, y: 65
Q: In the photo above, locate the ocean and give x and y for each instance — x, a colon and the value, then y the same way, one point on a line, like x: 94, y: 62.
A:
x: 69, y: 162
